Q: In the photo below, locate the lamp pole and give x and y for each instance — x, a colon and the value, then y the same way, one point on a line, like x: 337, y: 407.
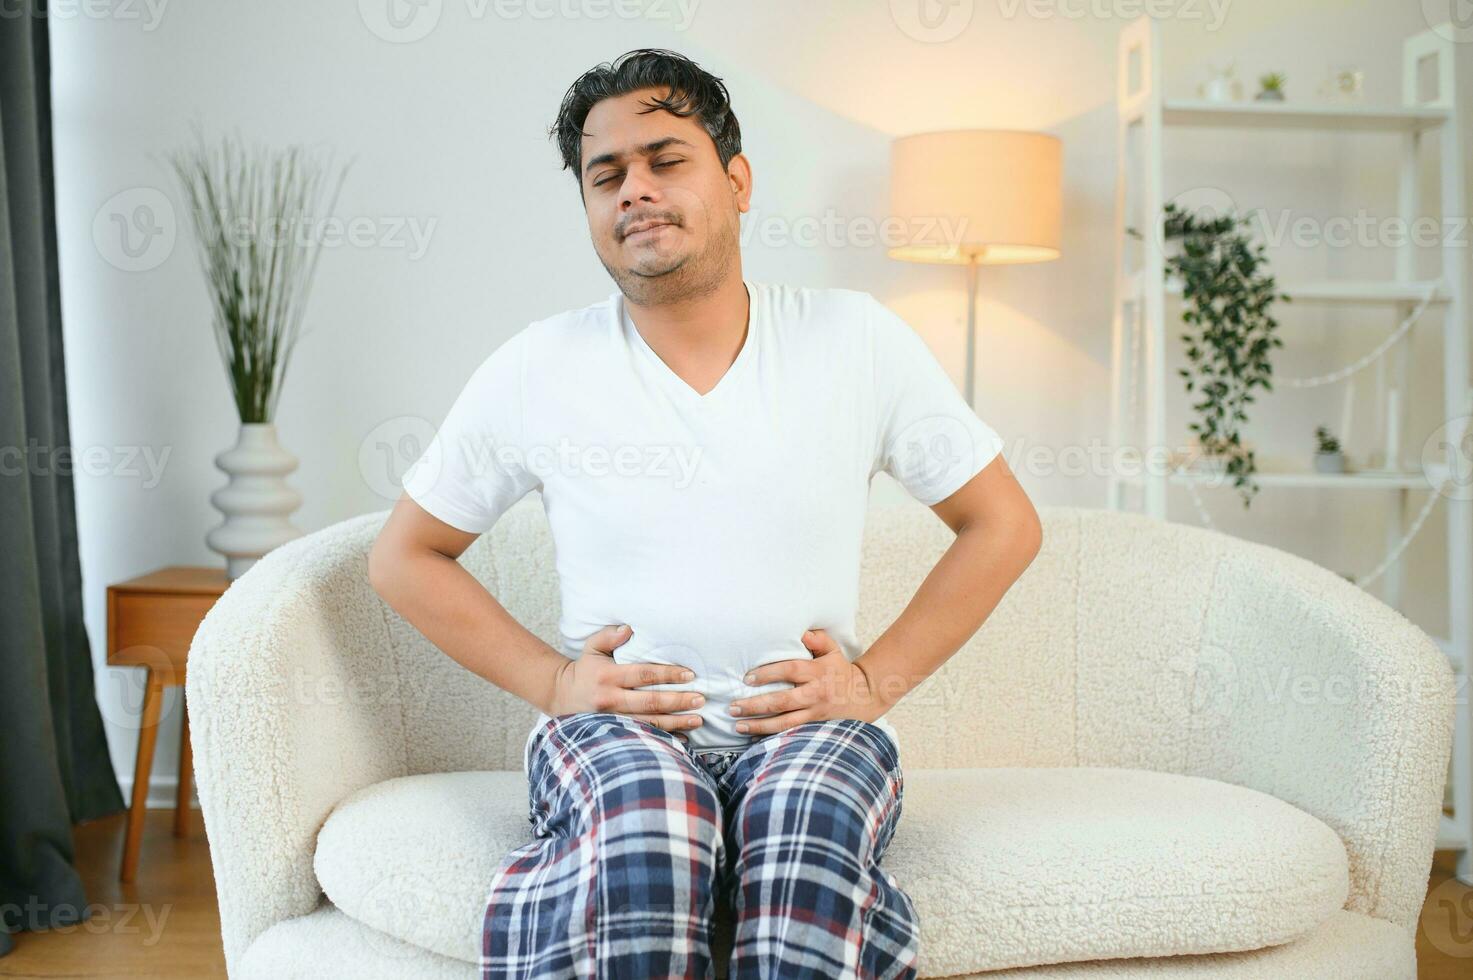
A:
x: 974, y: 259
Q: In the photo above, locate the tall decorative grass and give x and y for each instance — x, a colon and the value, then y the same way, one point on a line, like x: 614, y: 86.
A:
x: 254, y: 216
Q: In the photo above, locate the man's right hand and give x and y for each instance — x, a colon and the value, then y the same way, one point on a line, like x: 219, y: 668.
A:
x: 594, y: 682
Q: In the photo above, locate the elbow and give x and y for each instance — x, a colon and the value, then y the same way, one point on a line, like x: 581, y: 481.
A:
x: 1030, y: 535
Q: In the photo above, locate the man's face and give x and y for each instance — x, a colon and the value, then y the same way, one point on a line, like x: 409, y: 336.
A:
x: 662, y: 211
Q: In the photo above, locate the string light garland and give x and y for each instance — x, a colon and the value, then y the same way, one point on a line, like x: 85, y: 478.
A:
x: 1340, y: 374
x: 1392, y: 555
x: 1373, y: 355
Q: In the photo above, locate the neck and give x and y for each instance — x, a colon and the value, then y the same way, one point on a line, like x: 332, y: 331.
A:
x: 700, y: 333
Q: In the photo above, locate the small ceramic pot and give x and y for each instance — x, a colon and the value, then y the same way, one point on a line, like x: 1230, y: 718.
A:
x: 1329, y: 462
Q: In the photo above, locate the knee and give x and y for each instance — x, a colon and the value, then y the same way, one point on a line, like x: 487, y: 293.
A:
x: 850, y: 797
x: 670, y: 810
x: 658, y: 843
x: 775, y: 825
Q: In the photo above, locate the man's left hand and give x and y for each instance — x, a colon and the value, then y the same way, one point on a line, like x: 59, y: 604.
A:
x: 828, y: 686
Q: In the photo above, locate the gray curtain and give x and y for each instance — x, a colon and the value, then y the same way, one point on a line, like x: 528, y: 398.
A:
x: 54, y: 767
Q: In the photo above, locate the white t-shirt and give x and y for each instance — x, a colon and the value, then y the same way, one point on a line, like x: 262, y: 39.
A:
x: 721, y: 526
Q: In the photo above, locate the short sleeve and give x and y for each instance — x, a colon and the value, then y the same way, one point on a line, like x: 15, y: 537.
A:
x: 475, y: 465
x: 928, y: 438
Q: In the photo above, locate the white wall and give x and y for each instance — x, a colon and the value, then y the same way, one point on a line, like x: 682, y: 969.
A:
x: 449, y: 137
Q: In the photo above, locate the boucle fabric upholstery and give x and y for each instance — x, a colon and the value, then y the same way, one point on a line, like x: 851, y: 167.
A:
x: 1072, y: 864
x: 1348, y: 946
x: 1129, y: 643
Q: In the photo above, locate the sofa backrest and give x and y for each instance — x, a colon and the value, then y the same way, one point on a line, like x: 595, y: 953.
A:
x: 1128, y: 642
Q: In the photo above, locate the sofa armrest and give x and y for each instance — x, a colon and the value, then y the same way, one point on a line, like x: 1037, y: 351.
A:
x: 1308, y: 687
x: 1208, y: 655
x: 293, y: 701
x: 1144, y: 644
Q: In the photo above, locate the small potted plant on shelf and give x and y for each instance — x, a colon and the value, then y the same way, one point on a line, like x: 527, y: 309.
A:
x: 1271, y: 87
x: 1221, y: 84
x: 1327, y: 456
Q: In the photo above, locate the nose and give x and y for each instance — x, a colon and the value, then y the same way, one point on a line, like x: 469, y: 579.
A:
x: 638, y: 188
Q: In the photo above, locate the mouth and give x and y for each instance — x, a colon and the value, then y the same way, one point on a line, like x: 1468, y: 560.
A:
x: 645, y: 228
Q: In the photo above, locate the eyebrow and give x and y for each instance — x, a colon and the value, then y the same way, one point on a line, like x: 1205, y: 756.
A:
x: 648, y: 149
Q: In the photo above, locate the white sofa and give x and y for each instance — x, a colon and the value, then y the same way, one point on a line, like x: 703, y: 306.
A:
x: 1169, y: 753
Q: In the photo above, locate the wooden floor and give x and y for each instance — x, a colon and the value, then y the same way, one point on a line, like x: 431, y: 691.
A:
x: 165, y: 924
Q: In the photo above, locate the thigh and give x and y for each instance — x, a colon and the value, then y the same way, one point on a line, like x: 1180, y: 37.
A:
x: 838, y: 780
x: 812, y: 811
x: 620, y: 876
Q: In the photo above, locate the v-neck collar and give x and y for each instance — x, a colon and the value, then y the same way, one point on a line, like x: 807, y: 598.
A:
x: 675, y: 382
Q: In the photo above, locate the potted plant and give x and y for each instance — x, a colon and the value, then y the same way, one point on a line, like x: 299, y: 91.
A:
x: 1271, y: 87
x: 1221, y: 84
x: 1213, y: 463
x: 1227, y: 298
x: 1327, y: 455
x: 252, y: 211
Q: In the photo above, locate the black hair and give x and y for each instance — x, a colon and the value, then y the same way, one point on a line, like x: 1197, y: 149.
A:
x: 691, y: 90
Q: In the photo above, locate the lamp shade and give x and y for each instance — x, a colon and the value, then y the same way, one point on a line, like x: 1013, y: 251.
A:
x: 985, y: 195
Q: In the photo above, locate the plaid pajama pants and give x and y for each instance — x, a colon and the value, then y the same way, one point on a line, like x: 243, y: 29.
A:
x: 644, y: 850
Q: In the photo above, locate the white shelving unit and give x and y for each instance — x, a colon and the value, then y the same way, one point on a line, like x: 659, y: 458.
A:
x: 1139, y: 332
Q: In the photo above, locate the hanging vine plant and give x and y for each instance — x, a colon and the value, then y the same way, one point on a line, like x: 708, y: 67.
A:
x: 1227, y: 300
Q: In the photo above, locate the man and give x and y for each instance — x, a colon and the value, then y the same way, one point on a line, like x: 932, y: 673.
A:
x: 710, y: 734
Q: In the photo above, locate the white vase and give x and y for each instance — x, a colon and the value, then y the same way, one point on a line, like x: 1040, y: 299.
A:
x: 256, y: 501
x: 1219, y: 88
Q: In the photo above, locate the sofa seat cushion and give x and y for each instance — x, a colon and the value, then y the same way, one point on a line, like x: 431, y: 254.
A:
x: 326, y: 943
x: 1008, y: 867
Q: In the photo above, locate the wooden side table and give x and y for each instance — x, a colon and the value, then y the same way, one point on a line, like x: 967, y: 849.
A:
x: 150, y: 623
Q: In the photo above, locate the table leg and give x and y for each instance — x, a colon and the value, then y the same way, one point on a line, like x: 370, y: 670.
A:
x: 186, y: 773
x: 148, y: 730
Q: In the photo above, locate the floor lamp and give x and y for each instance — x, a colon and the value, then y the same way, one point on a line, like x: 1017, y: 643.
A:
x: 976, y: 197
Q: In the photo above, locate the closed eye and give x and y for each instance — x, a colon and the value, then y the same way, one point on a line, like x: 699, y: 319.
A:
x: 610, y: 176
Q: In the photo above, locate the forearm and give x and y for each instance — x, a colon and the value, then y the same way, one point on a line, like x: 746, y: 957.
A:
x: 951, y: 604
x: 445, y: 602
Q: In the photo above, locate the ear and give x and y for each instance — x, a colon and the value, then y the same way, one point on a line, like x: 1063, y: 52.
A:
x: 739, y: 176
